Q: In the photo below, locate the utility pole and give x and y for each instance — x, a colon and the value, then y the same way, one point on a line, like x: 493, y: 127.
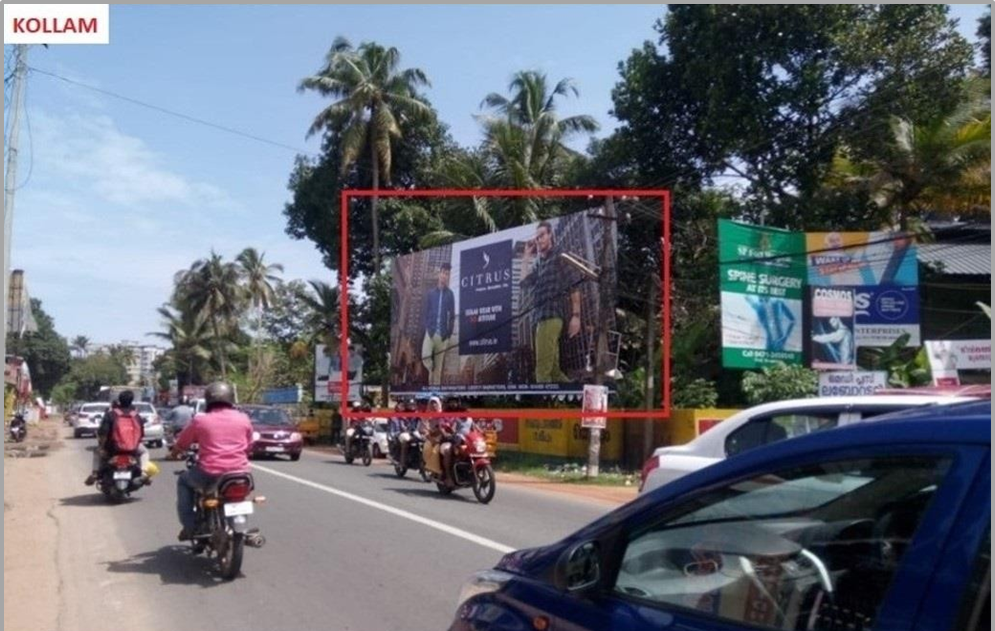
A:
x: 10, y: 177
x: 650, y: 368
x: 605, y: 308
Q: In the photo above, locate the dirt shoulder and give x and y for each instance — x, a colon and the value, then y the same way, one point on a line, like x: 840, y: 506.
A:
x: 31, y: 584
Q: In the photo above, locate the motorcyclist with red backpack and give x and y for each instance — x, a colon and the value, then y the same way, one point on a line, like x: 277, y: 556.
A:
x: 121, y: 431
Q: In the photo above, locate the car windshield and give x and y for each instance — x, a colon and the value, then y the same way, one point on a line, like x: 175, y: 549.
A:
x: 144, y: 408
x: 770, y: 496
x: 268, y: 416
x: 93, y: 409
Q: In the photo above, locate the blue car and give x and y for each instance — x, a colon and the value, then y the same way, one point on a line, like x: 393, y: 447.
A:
x: 879, y: 525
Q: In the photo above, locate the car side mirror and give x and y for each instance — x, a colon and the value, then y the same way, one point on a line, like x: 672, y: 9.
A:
x: 580, y: 568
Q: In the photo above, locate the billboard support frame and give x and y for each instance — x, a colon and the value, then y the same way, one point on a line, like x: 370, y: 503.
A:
x: 347, y: 195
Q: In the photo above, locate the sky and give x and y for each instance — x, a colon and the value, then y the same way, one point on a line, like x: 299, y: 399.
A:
x: 114, y: 198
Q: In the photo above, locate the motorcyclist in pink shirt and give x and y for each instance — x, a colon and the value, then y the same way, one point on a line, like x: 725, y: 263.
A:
x: 224, y: 437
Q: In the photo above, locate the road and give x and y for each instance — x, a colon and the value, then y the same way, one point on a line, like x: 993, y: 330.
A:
x: 349, y: 547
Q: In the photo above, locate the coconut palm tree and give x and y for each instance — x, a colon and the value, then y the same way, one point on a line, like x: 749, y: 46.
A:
x: 190, y: 339
x: 526, y: 139
x: 372, y: 97
x: 324, y: 318
x: 212, y: 286
x: 79, y: 344
x: 942, y: 165
x: 258, y: 279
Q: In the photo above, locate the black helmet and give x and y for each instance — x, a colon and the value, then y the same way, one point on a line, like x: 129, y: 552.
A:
x: 126, y: 398
x: 219, y: 392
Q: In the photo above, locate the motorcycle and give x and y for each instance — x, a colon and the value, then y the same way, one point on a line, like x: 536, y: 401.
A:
x: 359, y: 443
x: 222, y: 512
x: 413, y: 458
x: 18, y: 429
x: 471, y: 467
x: 120, y: 477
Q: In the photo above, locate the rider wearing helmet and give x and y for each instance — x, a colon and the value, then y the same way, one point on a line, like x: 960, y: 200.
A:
x: 224, y: 437
x: 105, y: 445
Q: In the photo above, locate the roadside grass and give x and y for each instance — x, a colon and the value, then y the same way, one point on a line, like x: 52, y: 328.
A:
x: 551, y: 469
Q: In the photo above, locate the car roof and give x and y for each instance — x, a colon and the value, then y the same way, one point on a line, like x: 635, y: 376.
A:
x: 863, y: 402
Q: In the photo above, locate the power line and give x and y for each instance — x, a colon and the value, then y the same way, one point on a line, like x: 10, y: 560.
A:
x: 180, y: 115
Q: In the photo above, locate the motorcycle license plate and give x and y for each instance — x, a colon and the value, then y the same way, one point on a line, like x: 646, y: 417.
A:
x: 274, y: 449
x: 238, y: 508
x: 122, y: 475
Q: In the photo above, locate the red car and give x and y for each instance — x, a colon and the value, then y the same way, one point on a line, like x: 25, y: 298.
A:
x: 274, y: 434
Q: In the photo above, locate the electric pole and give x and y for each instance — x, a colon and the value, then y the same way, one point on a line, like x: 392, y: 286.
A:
x: 10, y: 177
x: 605, y: 308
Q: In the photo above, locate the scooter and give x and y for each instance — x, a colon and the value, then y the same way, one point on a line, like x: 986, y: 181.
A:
x: 18, y: 428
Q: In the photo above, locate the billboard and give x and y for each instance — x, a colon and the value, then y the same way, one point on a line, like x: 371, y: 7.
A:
x: 861, y: 259
x: 884, y: 313
x: 762, y: 276
x: 832, y: 338
x: 328, y: 374
x: 512, y: 312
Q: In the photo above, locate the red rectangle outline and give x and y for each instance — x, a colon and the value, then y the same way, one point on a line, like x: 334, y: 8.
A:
x: 664, y: 194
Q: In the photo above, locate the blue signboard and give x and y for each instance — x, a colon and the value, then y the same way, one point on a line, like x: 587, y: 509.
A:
x: 886, y: 312
x: 282, y: 396
x: 485, y: 315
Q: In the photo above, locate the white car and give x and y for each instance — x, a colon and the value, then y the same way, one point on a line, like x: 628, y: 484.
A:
x: 155, y: 435
x: 86, y: 422
x: 769, y: 423
x: 380, y: 444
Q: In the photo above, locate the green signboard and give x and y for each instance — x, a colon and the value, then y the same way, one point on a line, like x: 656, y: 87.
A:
x: 762, y: 276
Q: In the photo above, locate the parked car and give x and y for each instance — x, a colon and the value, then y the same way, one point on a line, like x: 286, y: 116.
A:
x: 883, y: 524
x: 86, y: 422
x: 274, y: 432
x: 155, y: 434
x: 768, y: 423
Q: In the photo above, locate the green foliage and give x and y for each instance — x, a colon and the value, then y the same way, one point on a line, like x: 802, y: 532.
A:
x: 64, y: 392
x: 985, y: 34
x: 767, y: 93
x: 90, y: 373
x: 779, y: 382
x: 45, y: 351
x: 906, y: 367
x: 697, y: 393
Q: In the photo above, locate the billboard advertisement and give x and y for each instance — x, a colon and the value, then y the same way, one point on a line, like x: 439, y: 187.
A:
x: 884, y: 313
x: 861, y: 259
x: 762, y: 277
x: 511, y: 312
x: 832, y: 339
x: 328, y: 374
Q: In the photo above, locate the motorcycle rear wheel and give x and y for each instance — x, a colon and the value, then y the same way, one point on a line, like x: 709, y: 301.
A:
x: 230, y: 559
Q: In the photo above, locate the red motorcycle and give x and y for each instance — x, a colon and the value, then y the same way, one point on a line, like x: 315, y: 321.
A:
x: 471, y: 467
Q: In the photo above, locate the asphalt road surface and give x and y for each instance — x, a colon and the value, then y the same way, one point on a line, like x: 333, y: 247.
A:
x: 348, y: 547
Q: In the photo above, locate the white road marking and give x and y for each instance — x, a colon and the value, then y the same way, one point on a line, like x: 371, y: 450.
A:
x: 431, y: 523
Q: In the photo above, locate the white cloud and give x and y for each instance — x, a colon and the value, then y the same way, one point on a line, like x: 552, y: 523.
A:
x: 91, y: 153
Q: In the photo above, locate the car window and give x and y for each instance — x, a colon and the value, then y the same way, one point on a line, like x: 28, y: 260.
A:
x: 144, y: 408
x: 771, y: 429
x: 93, y: 409
x: 268, y: 416
x: 813, y: 547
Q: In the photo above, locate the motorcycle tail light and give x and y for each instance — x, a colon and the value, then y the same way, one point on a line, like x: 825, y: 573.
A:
x: 237, y: 492
x: 122, y: 461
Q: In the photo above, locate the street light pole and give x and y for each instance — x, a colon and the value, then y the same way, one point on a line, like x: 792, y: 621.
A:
x: 10, y: 177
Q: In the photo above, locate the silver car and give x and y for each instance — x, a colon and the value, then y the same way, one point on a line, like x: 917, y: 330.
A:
x: 155, y: 436
x: 86, y: 422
